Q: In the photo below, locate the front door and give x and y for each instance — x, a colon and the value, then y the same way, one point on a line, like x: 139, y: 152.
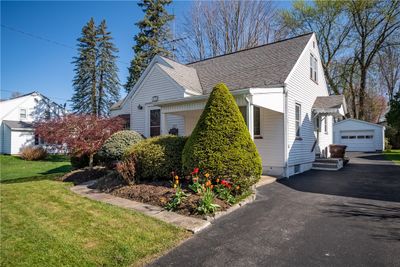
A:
x: 155, y: 122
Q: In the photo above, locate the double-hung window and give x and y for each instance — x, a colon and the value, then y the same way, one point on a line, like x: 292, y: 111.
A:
x: 298, y: 119
x: 22, y: 113
x: 313, y: 68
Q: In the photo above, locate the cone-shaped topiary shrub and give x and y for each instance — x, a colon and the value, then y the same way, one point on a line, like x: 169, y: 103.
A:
x: 221, y: 143
x: 115, y: 146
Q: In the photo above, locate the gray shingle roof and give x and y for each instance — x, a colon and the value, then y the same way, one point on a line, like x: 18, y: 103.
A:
x: 183, y: 75
x: 116, y: 105
x: 18, y: 124
x: 326, y: 102
x: 261, y: 66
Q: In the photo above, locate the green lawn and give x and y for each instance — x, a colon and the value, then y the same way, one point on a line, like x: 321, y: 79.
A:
x: 393, y: 155
x: 12, y: 167
x: 44, y: 224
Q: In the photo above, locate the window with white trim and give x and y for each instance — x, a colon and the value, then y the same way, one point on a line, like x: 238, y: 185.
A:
x: 256, y: 119
x: 22, y: 113
x: 326, y: 124
x: 313, y: 68
x: 298, y: 119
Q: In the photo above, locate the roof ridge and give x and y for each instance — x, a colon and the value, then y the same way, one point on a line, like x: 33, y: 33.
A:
x: 250, y: 48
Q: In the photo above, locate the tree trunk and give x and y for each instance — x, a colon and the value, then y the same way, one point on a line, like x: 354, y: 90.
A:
x: 91, y: 161
x: 361, y: 98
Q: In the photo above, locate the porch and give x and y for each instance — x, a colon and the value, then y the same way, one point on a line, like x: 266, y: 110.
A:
x: 263, y: 111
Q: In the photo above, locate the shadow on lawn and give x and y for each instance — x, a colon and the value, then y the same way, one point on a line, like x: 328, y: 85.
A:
x: 48, y: 175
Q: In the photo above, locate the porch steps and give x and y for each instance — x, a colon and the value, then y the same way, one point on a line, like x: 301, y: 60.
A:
x: 327, y: 164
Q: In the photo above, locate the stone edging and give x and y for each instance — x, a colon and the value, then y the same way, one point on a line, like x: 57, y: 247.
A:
x: 191, y: 224
x: 263, y: 181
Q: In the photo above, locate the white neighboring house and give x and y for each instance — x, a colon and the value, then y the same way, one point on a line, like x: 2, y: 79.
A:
x: 279, y: 87
x: 17, y: 116
x: 359, y: 135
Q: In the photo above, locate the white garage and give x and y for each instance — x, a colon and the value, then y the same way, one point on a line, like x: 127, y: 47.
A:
x: 359, y: 135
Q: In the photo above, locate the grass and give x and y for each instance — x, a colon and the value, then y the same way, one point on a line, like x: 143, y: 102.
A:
x: 393, y: 155
x: 12, y: 167
x: 43, y: 223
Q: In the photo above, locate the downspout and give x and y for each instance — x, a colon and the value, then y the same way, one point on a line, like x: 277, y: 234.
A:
x: 285, y: 131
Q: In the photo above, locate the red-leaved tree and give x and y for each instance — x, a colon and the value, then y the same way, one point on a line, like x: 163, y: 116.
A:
x: 82, y: 134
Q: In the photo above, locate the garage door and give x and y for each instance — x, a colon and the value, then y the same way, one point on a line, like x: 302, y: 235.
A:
x: 358, y: 140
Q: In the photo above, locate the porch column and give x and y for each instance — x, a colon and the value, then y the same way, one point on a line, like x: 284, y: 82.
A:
x: 163, y: 123
x: 250, y: 119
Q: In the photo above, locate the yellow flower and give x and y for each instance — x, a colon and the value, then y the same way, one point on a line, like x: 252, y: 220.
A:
x: 174, y: 185
x: 207, y: 175
x: 217, y: 180
x: 237, y: 187
x: 176, y: 177
x: 176, y: 182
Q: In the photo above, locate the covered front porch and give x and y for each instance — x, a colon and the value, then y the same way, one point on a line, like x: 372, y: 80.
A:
x: 262, y: 109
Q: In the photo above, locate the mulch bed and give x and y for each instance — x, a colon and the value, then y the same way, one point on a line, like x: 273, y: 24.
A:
x: 154, y: 193
x: 84, y: 175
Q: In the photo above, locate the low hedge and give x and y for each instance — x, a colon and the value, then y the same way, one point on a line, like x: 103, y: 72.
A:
x: 157, y: 157
x: 115, y: 146
x: 33, y: 153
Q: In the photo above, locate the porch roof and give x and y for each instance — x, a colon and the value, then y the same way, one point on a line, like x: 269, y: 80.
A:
x: 253, y: 96
x: 334, y: 105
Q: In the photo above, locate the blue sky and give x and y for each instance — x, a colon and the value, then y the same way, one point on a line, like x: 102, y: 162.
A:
x: 31, y: 64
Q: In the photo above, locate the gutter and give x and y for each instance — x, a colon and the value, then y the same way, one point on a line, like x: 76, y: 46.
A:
x: 195, y: 98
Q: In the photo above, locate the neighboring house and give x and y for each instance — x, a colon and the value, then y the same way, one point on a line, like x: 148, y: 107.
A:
x: 359, y: 135
x: 17, y: 116
x: 275, y: 86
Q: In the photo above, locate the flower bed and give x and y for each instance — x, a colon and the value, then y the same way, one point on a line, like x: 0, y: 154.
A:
x: 197, y: 195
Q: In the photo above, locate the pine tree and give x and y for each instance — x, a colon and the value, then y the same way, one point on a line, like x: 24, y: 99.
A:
x: 151, y: 39
x: 84, y: 100
x: 96, y: 83
x: 108, y: 82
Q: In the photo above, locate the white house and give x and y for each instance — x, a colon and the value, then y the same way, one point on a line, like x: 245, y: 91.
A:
x: 359, y: 135
x: 275, y: 85
x: 17, y: 116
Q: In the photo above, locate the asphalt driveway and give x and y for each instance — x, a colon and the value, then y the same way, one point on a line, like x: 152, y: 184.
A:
x: 346, y: 218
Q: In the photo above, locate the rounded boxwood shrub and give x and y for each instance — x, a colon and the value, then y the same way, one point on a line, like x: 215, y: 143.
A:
x: 157, y: 157
x: 115, y: 146
x: 221, y: 143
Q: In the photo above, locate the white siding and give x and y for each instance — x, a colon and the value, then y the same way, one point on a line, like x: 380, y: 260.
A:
x: 360, y: 126
x: 125, y: 109
x: 156, y: 83
x: 20, y: 139
x: 191, y: 119
x: 271, y: 145
x: 302, y: 90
